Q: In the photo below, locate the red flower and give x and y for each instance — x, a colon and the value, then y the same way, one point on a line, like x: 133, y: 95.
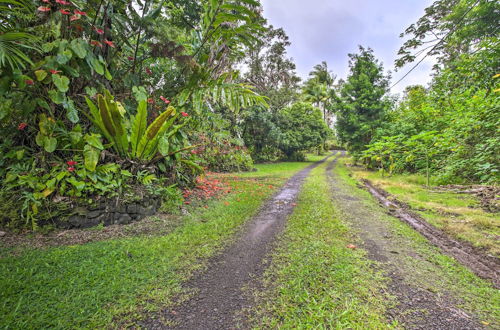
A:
x: 43, y: 9
x: 130, y: 58
x: 164, y: 99
x: 95, y: 43
x: 74, y: 18
x: 64, y: 11
x: 148, y: 71
x: 22, y: 126
x: 151, y: 101
x: 71, y: 168
x: 62, y: 2
x: 54, y: 71
x: 78, y: 12
x: 71, y: 162
x: 184, y: 114
x: 99, y: 31
x: 109, y: 43
x: 29, y: 82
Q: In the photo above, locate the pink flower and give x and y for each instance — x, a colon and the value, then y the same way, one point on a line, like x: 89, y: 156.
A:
x: 29, y: 82
x: 99, y: 31
x: 71, y: 162
x: 151, y: 101
x: 78, y: 12
x: 64, y: 12
x: 164, y: 99
x: 109, y: 43
x: 62, y: 2
x: 184, y: 114
x: 54, y: 71
x: 46, y: 1
x: 43, y: 9
x: 148, y: 71
x: 74, y: 18
x: 71, y: 169
x: 22, y: 126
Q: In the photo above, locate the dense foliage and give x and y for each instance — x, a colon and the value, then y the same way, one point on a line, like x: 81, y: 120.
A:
x: 449, y: 129
x: 108, y: 99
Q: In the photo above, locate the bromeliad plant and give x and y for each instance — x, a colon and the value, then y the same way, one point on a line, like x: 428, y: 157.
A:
x: 131, y: 137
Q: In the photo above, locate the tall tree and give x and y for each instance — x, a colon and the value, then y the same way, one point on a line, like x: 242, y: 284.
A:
x: 362, y: 105
x: 271, y: 71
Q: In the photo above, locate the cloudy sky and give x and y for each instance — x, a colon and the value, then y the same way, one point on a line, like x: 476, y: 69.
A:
x: 327, y: 30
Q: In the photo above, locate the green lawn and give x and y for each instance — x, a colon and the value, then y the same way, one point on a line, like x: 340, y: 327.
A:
x: 111, y: 282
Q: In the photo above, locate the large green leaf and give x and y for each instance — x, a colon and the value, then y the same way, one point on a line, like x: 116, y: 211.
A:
x: 97, y: 65
x: 61, y: 82
x: 138, y: 126
x: 64, y: 56
x: 40, y: 74
x: 91, y: 157
x: 50, y: 144
x: 71, y: 111
x: 56, y: 96
x: 79, y: 47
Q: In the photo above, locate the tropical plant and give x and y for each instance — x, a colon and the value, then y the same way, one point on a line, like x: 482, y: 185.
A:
x: 132, y: 138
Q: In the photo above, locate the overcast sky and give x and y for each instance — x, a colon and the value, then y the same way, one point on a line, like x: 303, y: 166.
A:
x: 327, y: 30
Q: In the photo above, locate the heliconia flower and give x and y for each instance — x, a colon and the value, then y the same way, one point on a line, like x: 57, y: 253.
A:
x: 22, y: 126
x: 109, y: 43
x: 184, y: 114
x: 65, y: 12
x: 164, y: 99
x: 130, y: 58
x: 99, y: 31
x: 95, y: 43
x: 29, y: 82
x: 74, y: 18
x: 148, y: 71
x: 71, y: 168
x: 71, y: 162
x: 43, y: 9
x: 63, y: 2
x: 78, y: 12
x: 151, y: 101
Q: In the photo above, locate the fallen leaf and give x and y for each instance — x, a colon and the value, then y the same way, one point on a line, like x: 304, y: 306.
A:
x: 351, y: 246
